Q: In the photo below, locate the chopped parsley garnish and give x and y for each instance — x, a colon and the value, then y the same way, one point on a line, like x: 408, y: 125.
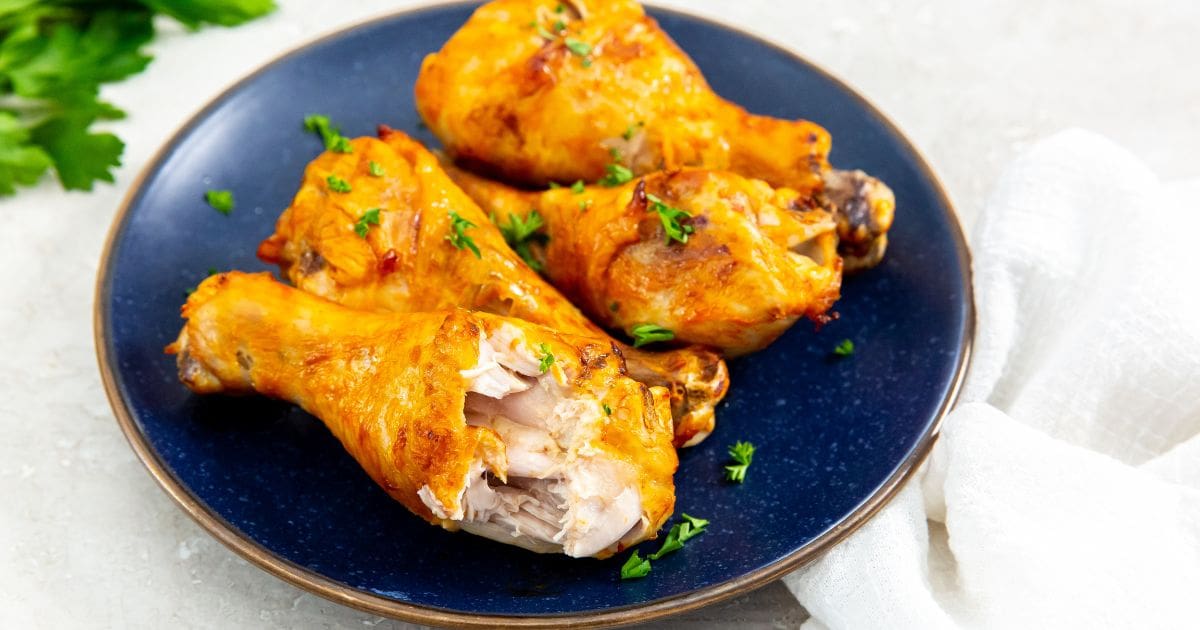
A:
x: 586, y: 63
x: 583, y: 49
x: 458, y: 236
x: 555, y: 185
x: 374, y: 168
x: 670, y: 545
x: 519, y: 232
x: 547, y: 358
x: 635, y: 567
x: 743, y: 454
x: 606, y: 408
x: 632, y: 129
x: 584, y: 205
x: 543, y: 32
x: 220, y: 200
x: 560, y: 8
x: 337, y: 184
x: 559, y: 26
x: 614, y: 153
x: 691, y: 527
x: 615, y: 175
x: 577, y: 187
x: 364, y: 223
x: 330, y: 135
x: 844, y: 349
x: 670, y: 220
x: 649, y: 333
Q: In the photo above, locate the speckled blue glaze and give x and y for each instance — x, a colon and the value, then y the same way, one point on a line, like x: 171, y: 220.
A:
x: 829, y: 432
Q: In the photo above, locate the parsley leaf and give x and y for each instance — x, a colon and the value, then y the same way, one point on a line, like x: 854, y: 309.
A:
x: 584, y: 205
x: 54, y: 57
x: 696, y: 528
x: 635, y: 567
x: 330, y: 135
x: 606, y: 408
x: 547, y: 358
x: 649, y: 333
x: 22, y: 163
x: 580, y: 48
x: 632, y: 129
x: 337, y: 184
x: 615, y: 175
x: 220, y: 200
x: 458, y: 237
x: 670, y: 218
x: 518, y: 234
x: 670, y: 545
x: 374, y: 168
x: 743, y: 454
x: 577, y: 187
x: 844, y: 349
x: 364, y: 223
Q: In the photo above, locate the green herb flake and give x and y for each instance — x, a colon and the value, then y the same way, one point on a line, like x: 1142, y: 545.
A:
x: 635, y: 567
x: 742, y: 453
x: 586, y: 63
x: 541, y: 31
x: 220, y: 200
x: 330, y: 135
x: 337, y: 184
x: 577, y: 187
x: 458, y: 237
x: 632, y: 129
x: 671, y: 220
x: 607, y: 409
x: 374, y: 168
x: 518, y: 234
x: 364, y: 223
x: 555, y: 185
x: 692, y: 527
x: 547, y: 358
x: 670, y: 545
x: 649, y: 333
x: 583, y: 49
x: 559, y: 26
x: 844, y: 349
x: 615, y: 175
x: 560, y: 8
x: 584, y: 205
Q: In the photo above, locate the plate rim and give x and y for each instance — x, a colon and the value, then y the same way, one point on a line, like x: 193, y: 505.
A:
x: 318, y: 584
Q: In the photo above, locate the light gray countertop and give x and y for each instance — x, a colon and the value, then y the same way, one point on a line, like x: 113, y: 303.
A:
x: 87, y: 538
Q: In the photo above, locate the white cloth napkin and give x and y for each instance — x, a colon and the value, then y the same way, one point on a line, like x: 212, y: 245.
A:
x: 1064, y: 492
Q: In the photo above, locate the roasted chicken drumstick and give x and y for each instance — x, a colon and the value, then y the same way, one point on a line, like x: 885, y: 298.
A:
x: 490, y: 424
x: 540, y: 91
x: 383, y: 227
x: 719, y: 259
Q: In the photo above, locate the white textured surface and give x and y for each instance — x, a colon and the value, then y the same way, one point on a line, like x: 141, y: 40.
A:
x: 1065, y: 491
x: 86, y: 538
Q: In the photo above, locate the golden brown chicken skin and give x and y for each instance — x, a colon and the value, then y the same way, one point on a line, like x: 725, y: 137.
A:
x: 733, y: 273
x: 459, y: 416
x: 538, y: 91
x: 420, y: 255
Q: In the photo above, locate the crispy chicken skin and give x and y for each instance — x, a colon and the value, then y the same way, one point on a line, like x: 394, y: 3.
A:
x: 450, y: 411
x: 406, y: 263
x: 754, y: 262
x: 511, y: 95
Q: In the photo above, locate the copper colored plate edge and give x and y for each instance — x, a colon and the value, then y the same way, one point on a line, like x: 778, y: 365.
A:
x: 315, y: 583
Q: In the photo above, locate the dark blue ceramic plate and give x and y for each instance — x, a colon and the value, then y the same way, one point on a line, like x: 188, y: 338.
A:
x: 836, y: 438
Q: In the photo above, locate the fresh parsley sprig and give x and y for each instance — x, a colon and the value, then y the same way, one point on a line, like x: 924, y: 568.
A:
x: 742, y: 453
x: 636, y: 566
x: 337, y: 184
x: 649, y: 333
x: 364, y: 223
x: 671, y: 219
x: 330, y: 135
x: 458, y: 234
x: 55, y: 55
x: 844, y: 348
x: 547, y: 358
x: 220, y: 200
x: 518, y: 234
x: 615, y: 175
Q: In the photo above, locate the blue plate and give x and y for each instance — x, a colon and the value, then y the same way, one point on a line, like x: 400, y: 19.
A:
x: 836, y: 438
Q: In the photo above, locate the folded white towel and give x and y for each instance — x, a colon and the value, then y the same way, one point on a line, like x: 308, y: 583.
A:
x: 1065, y: 491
